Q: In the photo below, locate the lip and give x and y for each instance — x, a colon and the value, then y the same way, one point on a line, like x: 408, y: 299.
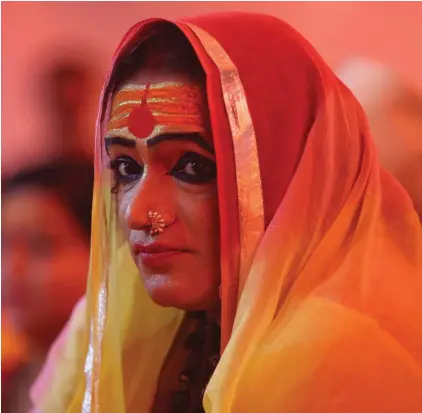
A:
x: 157, y: 254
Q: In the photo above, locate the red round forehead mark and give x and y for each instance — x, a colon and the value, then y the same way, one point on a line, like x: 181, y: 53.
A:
x: 141, y: 122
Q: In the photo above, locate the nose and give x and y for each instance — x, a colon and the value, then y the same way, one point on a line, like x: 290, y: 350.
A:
x: 150, y: 196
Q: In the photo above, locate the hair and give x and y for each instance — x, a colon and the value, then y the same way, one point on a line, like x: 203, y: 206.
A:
x: 71, y: 181
x: 166, y: 50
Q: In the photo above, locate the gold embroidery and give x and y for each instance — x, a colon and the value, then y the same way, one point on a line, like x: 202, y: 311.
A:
x: 248, y: 176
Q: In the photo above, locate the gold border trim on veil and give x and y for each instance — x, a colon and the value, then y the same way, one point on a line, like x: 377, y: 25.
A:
x: 250, y: 202
x: 248, y: 174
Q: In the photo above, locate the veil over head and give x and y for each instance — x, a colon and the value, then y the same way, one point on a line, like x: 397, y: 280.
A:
x: 321, y: 250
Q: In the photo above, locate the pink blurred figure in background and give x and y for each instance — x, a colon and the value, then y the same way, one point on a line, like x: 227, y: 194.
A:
x: 394, y: 110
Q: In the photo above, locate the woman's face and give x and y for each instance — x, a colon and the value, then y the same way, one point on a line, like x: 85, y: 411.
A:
x: 169, y: 169
x: 44, y: 263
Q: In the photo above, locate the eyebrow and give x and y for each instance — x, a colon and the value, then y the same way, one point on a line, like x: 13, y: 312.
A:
x: 130, y: 143
x: 112, y: 140
x: 193, y: 137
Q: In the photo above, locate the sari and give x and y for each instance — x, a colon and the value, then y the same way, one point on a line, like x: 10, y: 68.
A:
x: 321, y: 249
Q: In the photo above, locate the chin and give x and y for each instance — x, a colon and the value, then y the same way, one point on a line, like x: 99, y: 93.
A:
x: 166, y: 292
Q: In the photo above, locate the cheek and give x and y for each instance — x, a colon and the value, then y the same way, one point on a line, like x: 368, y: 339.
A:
x: 124, y: 203
x: 199, y: 213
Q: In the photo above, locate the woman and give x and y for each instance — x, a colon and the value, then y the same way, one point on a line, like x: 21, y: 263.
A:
x: 394, y: 110
x: 237, y: 188
x: 46, y: 216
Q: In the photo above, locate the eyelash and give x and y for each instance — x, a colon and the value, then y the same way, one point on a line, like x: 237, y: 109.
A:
x: 190, y: 160
x: 119, y: 179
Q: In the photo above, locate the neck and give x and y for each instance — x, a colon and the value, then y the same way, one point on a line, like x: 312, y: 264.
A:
x: 214, y: 314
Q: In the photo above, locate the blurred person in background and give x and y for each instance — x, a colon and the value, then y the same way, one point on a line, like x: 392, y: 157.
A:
x: 394, y: 110
x: 64, y: 88
x: 68, y: 86
x: 46, y: 219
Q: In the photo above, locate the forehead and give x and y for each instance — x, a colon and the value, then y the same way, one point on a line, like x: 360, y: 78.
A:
x: 153, y: 103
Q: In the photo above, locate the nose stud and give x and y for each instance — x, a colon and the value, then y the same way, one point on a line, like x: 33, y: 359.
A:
x: 157, y: 224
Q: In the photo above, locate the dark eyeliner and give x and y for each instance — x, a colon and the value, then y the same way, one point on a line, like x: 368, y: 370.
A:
x: 119, y: 179
x: 205, y: 169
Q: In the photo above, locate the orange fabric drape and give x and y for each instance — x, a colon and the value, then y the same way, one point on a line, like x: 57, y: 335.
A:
x: 321, y: 249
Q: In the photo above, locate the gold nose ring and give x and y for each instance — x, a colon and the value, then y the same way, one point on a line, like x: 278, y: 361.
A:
x: 157, y: 224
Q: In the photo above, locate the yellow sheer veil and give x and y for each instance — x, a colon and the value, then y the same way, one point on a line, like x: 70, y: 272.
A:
x: 329, y: 309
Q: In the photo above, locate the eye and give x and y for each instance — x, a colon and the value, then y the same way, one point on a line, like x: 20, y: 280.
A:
x: 126, y: 171
x: 194, y: 168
